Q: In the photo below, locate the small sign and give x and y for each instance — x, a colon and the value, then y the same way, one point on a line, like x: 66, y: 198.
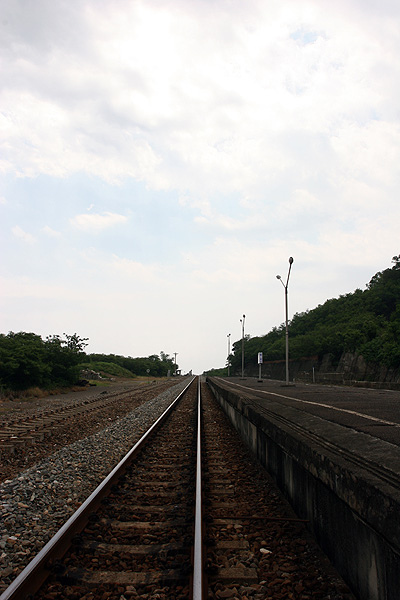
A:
x: 260, y: 358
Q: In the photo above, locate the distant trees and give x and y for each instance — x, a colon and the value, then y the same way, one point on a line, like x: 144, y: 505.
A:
x: 366, y: 322
x: 153, y: 365
x: 26, y: 360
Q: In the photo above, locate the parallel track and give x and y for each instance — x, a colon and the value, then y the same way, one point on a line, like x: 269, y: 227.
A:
x: 25, y: 430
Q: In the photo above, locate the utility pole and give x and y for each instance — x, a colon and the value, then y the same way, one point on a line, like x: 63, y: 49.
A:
x: 229, y: 351
x: 286, y: 317
x: 242, y: 322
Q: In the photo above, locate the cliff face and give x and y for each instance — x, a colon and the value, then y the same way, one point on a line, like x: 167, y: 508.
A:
x: 356, y: 368
x: 352, y: 369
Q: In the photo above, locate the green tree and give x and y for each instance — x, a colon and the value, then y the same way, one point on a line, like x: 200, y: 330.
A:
x: 27, y: 361
x: 63, y: 357
x: 22, y: 361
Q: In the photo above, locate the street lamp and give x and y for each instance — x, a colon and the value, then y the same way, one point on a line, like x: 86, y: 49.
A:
x: 229, y: 350
x: 175, y: 353
x: 242, y: 322
x: 286, y: 315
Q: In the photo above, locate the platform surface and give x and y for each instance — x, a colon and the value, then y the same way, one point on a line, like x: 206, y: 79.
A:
x: 375, y: 412
x: 362, y: 424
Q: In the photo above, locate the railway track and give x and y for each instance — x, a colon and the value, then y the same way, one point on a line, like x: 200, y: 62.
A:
x: 186, y: 514
x: 28, y: 437
x: 24, y: 430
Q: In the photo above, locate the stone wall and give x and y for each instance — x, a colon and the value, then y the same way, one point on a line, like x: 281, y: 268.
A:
x: 352, y: 369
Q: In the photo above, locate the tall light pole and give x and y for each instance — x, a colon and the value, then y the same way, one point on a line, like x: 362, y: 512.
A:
x: 242, y: 322
x: 229, y: 350
x: 286, y: 317
x: 175, y: 353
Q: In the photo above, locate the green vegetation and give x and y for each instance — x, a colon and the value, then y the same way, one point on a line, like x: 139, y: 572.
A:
x: 366, y: 322
x: 28, y: 361
x: 221, y: 372
x: 154, y: 365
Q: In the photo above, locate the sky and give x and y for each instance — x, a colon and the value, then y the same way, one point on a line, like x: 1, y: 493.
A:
x: 161, y: 160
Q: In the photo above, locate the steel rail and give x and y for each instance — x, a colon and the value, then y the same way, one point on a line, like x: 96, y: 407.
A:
x: 198, y: 585
x: 37, y: 571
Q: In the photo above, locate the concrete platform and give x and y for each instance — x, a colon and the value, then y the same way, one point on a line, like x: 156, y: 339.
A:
x: 335, y: 453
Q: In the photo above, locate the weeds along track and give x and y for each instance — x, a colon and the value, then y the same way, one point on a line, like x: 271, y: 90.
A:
x: 145, y: 534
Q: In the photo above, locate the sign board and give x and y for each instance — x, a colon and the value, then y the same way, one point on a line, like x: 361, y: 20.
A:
x: 260, y: 358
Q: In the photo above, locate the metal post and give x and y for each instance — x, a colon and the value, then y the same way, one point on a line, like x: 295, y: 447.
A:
x: 175, y: 353
x: 286, y: 317
x: 242, y: 322
x: 287, y: 335
x: 229, y: 352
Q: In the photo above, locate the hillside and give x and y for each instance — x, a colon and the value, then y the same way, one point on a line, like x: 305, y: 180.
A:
x: 364, y: 322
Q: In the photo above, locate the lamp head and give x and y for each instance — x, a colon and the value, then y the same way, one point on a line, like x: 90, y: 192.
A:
x: 290, y: 260
x: 278, y: 277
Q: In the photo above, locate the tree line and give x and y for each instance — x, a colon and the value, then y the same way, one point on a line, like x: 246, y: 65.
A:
x: 27, y: 360
x: 153, y: 365
x: 366, y: 322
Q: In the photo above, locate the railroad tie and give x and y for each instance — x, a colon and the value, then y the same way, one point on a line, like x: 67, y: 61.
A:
x: 143, y: 525
x: 134, y: 550
x: 7, y: 448
x: 94, y: 579
x: 235, y: 575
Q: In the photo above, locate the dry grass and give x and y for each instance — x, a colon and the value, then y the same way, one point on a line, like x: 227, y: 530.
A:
x: 35, y: 393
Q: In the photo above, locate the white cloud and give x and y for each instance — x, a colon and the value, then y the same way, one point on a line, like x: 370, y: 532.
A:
x: 51, y: 232
x: 18, y: 232
x: 180, y: 97
x: 369, y: 152
x: 95, y: 223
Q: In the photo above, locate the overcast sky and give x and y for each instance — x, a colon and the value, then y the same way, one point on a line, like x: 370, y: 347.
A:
x: 161, y: 160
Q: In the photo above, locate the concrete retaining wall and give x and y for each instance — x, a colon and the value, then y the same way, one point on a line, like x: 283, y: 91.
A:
x: 352, y: 369
x: 353, y: 514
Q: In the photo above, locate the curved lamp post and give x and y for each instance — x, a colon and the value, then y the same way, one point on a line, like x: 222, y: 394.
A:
x: 286, y: 317
x: 242, y: 322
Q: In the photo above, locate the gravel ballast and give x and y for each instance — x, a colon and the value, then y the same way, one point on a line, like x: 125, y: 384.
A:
x: 34, y: 505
